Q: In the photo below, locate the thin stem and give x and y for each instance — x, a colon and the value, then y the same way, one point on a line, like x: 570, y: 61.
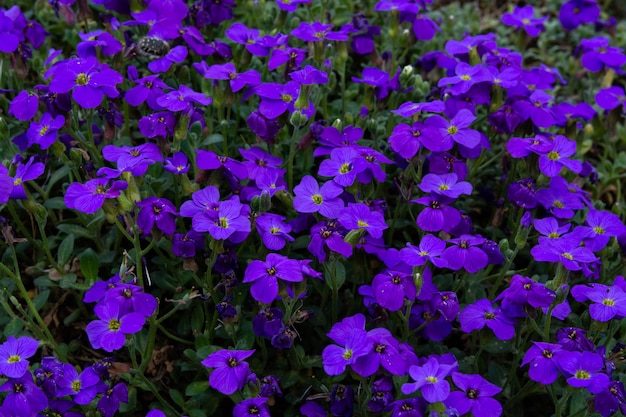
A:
x: 292, y: 154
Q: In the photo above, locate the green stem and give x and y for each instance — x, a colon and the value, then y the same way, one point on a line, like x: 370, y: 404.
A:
x: 46, y: 248
x: 292, y: 154
x: 173, y: 337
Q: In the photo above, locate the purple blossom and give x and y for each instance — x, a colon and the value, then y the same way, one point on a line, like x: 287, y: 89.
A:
x: 430, y: 380
x: 523, y: 18
x: 183, y: 100
x: 456, y: 130
x: 177, y: 164
x: 264, y: 276
x: 466, y: 76
x: 24, y: 397
x: 230, y: 372
x: 83, y: 387
x: 227, y: 72
x: 607, y: 302
x: 392, y: 287
x: 278, y: 98
x: 563, y: 250
x: 408, y: 109
x: 430, y: 249
x: 466, y: 253
x: 543, y: 359
x: 97, y: 39
x: 252, y: 407
x: 611, y: 400
x: 482, y: 313
x: 273, y: 230
x: 438, y: 214
x: 309, y: 75
x: 109, y: 404
x: 148, y: 89
x: 311, y: 198
x: 550, y: 163
x: 385, y: 352
x: 109, y: 332
x: 610, y: 98
x: 475, y: 396
x: 585, y: 370
x: 359, y: 216
x: 344, y: 165
x: 159, y: 212
x: 44, y: 133
x: 353, y: 343
x: 597, y: 54
x: 89, y: 197
x: 445, y: 185
x: 25, y: 172
x: 229, y: 218
x: 14, y: 354
x: 574, y: 13
x: 24, y: 106
x: 317, y: 32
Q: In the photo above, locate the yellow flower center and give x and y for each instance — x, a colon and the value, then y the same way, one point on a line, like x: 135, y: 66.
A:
x: 608, y: 302
x: 345, y: 168
x: 317, y: 198
x: 114, y: 325
x: 362, y: 223
x: 453, y: 130
x: 14, y: 359
x: 580, y: 374
x: 432, y: 379
x: 347, y: 354
x: 553, y: 156
x: 82, y: 79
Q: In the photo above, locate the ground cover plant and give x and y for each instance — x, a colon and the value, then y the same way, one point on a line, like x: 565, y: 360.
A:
x: 312, y: 208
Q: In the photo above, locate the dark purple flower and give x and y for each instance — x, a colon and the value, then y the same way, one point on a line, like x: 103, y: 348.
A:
x: 317, y: 32
x: 109, y: 332
x: 466, y: 76
x: 550, y: 163
x: 392, y: 287
x: 183, y: 100
x: 409, y: 407
x: 576, y: 12
x: 177, y: 164
x: 475, y: 396
x: 597, y: 54
x: 564, y: 250
x: 523, y: 18
x: 611, y: 400
x: 24, y: 105
x: 430, y: 380
x: 252, y: 407
x: 466, y: 253
x: 44, y: 132
x: 273, y: 230
x: 109, y: 404
x: 456, y: 130
x: 573, y: 339
x: 342, y: 401
x: 610, y: 98
x: 159, y: 212
x: 24, y: 398
x: 438, y: 214
x: 268, y: 322
x: 25, y: 172
x: 359, y: 216
x: 309, y: 75
x: 97, y: 39
x: 227, y: 72
x: 148, y: 89
x: 311, y: 198
x: 230, y: 372
x: 90, y: 196
x: 445, y: 185
x: 83, y: 387
x: 131, y: 299
x: 543, y: 359
x: 230, y: 217
x: 524, y: 290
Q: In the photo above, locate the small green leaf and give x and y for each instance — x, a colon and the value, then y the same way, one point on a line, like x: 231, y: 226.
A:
x: 89, y: 264
x: 177, y: 397
x: 73, y: 229
x: 13, y: 328
x: 196, y: 388
x: 65, y: 250
x: 335, y: 275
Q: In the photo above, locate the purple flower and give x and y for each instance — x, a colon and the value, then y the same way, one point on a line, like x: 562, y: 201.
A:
x: 134, y: 159
x: 268, y: 322
x: 602, y: 225
x: 25, y: 172
x: 445, y: 185
x: 109, y: 404
x: 429, y: 249
x: 177, y: 164
x: 90, y: 41
x: 273, y: 230
x: 83, y: 387
x: 293, y: 57
x: 89, y: 197
x: 278, y: 98
x: 88, y: 81
x: 550, y: 163
x: 229, y: 218
x: 522, y: 18
x: 230, y: 372
x: 430, y: 380
x: 559, y: 200
x: 408, y: 109
x: 525, y: 291
x: 456, y: 130
x: 24, y: 106
x: 311, y: 198
x: 543, y: 359
x: 175, y: 56
x: 611, y: 400
x: 475, y: 396
x: 330, y: 235
x: 227, y: 72
x: 309, y: 75
x: 466, y: 253
x: 331, y: 138
x: 317, y: 32
x: 573, y: 339
x: 585, y: 370
x: 252, y: 407
x: 577, y: 12
x: 13, y: 355
x: 257, y: 161
x: 597, y: 53
x: 353, y: 343
x: 183, y: 99
x: 438, y: 214
x: 564, y: 250
x: 610, y: 98
x: 360, y: 216
x: 264, y: 276
x: 148, y: 89
x: 392, y: 287
x: 131, y: 299
x: 24, y: 398
x: 344, y: 165
x: 608, y: 302
x: 342, y: 401
x: 466, y: 76
x: 159, y: 212
x: 482, y: 313
x: 44, y: 132
x: 109, y: 332
x: 385, y: 352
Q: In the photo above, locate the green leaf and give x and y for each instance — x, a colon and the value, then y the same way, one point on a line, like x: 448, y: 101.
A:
x: 89, y: 264
x: 335, y: 275
x: 55, y: 203
x: 196, y: 388
x: 73, y: 229
x: 177, y: 397
x: 67, y: 281
x: 13, y: 328
x: 64, y: 252
x: 40, y: 299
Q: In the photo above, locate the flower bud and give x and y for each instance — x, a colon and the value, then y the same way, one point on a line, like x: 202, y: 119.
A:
x: 354, y: 236
x: 298, y: 119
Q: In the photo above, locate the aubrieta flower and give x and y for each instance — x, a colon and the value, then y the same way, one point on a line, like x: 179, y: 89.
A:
x: 551, y: 162
x: 230, y: 372
x: 466, y: 76
x: 597, y: 54
x: 90, y: 196
x: 430, y: 380
x: 159, y: 212
x: 317, y: 32
x: 602, y: 225
x: 130, y: 299
x: 359, y: 216
x: 608, y: 302
x: 175, y: 56
x: 23, y: 398
x: 523, y: 18
x: 564, y: 250
x: 252, y: 407
x: 264, y: 276
x: 445, y: 133
x: 543, y: 359
x: 177, y: 164
x: 109, y: 404
x: 24, y: 106
x: 344, y: 165
x: 352, y: 343
x: 229, y: 218
x: 228, y: 72
x: 482, y: 313
x: 97, y: 39
x: 25, y: 172
x: 392, y: 287
x: 574, y: 13
x: 445, y: 184
x: 611, y: 400
x: 135, y: 159
x: 466, y: 253
x: 109, y: 332
x: 183, y: 100
x: 14, y: 354
x: 385, y: 352
x: 438, y: 214
x: 585, y: 370
x: 610, y: 98
x: 148, y: 89
x: 475, y: 396
x: 83, y: 387
x: 328, y: 234
x: 573, y: 339
x: 273, y: 230
x: 524, y: 291
x: 87, y: 79
x: 44, y: 133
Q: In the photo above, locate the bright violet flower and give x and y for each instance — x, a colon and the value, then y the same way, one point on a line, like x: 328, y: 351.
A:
x: 543, y: 359
x: 523, y: 18
x: 445, y: 185
x: 429, y: 249
x: 559, y: 200
x: 44, y: 132
x: 550, y: 163
x: 148, y: 89
x: 264, y: 276
x: 252, y: 407
x: 183, y: 100
x: 360, y: 216
x: 278, y: 98
x: 456, y: 130
x: 24, y: 106
x: 257, y: 161
x: 131, y: 299
x: 525, y: 291
x: 610, y: 98
x: 206, y: 199
x: 311, y: 198
x: 230, y: 217
x: 438, y: 214
x: 210, y: 160
x: 24, y: 398
x: 385, y: 352
x: 603, y: 225
x: 227, y: 72
x: 475, y: 396
x: 353, y: 343
x: 482, y: 313
x: 89, y: 197
x: 293, y: 57
x: 109, y: 332
x: 328, y: 235
x: 175, y: 56
x: 331, y: 138
x: 309, y: 75
x: 97, y: 39
x: 25, y: 172
x: 317, y: 32
x: 230, y: 372
x: 577, y: 12
x: 430, y: 380
x: 392, y: 287
x: 159, y: 212
x: 409, y: 108
x: 405, y: 139
x: 273, y: 230
x: 466, y: 76
x: 14, y: 354
x: 563, y: 250
x: 109, y: 404
x: 597, y: 53
x: 88, y: 81
x: 585, y: 370
x: 611, y: 400
x: 83, y: 387
x: 344, y: 164
x: 466, y: 253
x: 177, y: 164
x: 608, y: 302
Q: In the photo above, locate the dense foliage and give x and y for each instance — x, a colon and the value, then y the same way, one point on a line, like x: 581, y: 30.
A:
x: 312, y: 207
